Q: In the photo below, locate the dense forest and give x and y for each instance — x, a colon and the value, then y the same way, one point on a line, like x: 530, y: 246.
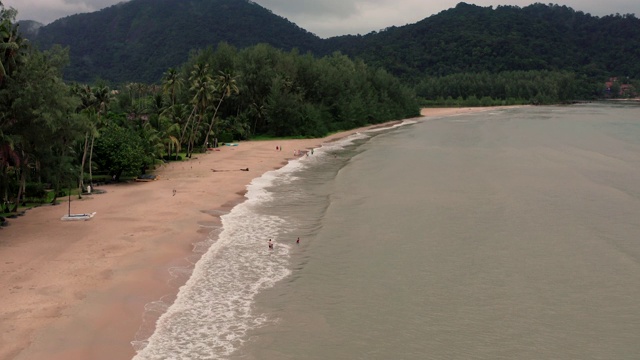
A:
x: 138, y: 40
x: 472, y: 39
x: 55, y: 136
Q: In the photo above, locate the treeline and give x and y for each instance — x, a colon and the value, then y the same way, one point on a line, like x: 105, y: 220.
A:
x: 287, y: 94
x: 56, y: 136
x: 506, y: 88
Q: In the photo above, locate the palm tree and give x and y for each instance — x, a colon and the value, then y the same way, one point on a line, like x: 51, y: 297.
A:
x: 259, y: 113
x: 173, y: 115
x: 202, y: 86
x: 87, y: 107
x: 227, y: 86
x: 103, y: 97
x: 11, y: 43
x: 8, y: 159
x: 171, y: 84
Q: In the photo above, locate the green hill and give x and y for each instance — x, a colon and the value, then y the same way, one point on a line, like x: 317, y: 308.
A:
x: 471, y: 38
x: 138, y: 40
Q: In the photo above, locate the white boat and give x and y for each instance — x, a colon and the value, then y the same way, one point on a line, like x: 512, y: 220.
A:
x: 78, y: 217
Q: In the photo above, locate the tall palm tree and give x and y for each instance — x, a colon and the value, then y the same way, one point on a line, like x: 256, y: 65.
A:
x: 202, y: 86
x: 174, y: 115
x: 8, y: 159
x: 226, y: 84
x: 172, y: 83
x: 11, y: 43
x: 103, y: 97
x: 87, y: 107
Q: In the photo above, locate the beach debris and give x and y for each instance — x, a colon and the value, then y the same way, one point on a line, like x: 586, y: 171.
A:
x: 245, y: 169
x: 146, y: 177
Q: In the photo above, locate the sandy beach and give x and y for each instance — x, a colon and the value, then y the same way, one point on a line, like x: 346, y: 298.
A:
x: 77, y: 289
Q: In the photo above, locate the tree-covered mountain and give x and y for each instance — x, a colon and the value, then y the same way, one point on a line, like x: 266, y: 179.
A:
x: 140, y: 39
x: 472, y: 39
x: 29, y: 28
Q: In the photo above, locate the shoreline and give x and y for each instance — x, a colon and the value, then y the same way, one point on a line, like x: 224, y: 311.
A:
x: 78, y: 290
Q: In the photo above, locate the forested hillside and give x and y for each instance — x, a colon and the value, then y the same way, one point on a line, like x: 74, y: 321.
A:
x: 138, y: 40
x: 472, y: 39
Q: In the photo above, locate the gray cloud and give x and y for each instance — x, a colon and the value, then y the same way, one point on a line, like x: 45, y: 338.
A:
x: 329, y: 17
x: 46, y: 11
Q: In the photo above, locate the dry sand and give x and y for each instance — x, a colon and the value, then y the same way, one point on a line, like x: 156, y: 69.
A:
x: 77, y: 289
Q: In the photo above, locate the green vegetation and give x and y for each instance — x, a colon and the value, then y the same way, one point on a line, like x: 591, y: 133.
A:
x: 55, y: 136
x: 474, y: 39
x: 137, y: 41
x: 505, y: 88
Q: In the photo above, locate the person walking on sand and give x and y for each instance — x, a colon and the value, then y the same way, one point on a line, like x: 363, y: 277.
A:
x: 270, y: 245
x: 298, y: 241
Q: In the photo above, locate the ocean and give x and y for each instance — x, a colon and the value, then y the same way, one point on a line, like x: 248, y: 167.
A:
x: 504, y: 234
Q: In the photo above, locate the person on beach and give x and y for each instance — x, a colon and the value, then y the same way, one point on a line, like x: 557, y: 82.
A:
x: 298, y: 241
x: 270, y: 245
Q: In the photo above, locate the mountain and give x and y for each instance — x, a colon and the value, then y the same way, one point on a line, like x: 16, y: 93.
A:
x: 470, y: 38
x: 29, y: 29
x: 140, y: 39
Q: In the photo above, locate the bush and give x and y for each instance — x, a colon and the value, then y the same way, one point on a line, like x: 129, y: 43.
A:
x: 35, y: 191
x: 172, y: 158
x: 225, y: 138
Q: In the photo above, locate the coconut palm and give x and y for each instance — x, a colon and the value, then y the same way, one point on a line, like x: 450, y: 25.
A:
x: 226, y: 85
x: 11, y: 43
x: 202, y: 86
x: 174, y: 115
x: 103, y: 97
x: 87, y: 107
x: 172, y: 83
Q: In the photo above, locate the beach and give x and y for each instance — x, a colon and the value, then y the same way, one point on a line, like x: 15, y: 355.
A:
x: 77, y: 289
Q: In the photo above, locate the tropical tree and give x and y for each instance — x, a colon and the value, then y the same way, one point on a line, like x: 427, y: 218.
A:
x: 43, y: 108
x: 120, y: 151
x: 171, y: 84
x: 103, y: 97
x: 87, y: 107
x: 12, y: 45
x: 202, y: 88
x: 226, y: 86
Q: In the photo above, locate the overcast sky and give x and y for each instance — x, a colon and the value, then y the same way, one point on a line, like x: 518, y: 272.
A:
x: 327, y: 18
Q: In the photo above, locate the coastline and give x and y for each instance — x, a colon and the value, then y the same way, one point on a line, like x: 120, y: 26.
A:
x: 77, y: 290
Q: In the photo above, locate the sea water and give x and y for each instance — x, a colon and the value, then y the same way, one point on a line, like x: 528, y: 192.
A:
x: 508, y: 234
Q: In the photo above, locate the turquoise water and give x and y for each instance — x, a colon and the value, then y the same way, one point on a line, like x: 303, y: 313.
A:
x: 510, y: 234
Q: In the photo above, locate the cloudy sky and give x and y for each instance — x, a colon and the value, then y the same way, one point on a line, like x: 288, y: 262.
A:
x: 327, y: 18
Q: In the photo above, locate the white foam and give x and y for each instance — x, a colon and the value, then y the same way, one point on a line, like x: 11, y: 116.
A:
x: 212, y: 311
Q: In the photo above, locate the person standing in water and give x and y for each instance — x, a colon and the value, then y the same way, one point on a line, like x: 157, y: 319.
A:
x: 298, y: 241
x: 270, y: 245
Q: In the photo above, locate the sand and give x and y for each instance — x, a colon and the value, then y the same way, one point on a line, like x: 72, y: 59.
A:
x: 77, y: 289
